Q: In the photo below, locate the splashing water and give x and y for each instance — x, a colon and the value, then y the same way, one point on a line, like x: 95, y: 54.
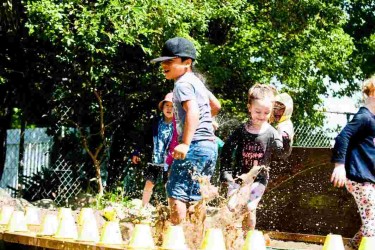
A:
x: 230, y: 213
x: 200, y: 216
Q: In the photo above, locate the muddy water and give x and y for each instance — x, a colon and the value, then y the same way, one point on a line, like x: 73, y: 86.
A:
x: 200, y: 216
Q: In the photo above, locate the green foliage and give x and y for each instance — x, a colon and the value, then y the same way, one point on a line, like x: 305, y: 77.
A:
x: 293, y: 44
x: 360, y: 27
x: 115, y: 196
x: 41, y: 185
x: 2, y: 80
x: 59, y: 53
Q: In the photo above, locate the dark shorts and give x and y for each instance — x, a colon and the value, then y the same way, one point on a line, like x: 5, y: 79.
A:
x: 153, y: 172
x: 200, y: 161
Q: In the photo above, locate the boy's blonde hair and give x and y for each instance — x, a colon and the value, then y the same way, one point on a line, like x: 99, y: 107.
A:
x: 261, y: 91
x: 369, y: 86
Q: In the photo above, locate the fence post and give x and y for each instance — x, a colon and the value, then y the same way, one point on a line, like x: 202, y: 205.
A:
x: 20, y: 156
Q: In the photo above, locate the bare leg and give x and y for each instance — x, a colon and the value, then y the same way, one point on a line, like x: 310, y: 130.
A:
x: 178, y: 211
x: 257, y: 191
x: 147, y: 192
x: 249, y: 221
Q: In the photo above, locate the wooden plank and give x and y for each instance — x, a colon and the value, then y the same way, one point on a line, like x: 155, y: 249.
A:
x: 30, y: 239
x: 307, y: 238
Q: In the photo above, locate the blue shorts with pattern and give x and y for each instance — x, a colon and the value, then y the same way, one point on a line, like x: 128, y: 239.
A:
x: 200, y: 161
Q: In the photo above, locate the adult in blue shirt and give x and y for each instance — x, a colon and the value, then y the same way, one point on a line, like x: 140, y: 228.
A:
x: 354, y: 158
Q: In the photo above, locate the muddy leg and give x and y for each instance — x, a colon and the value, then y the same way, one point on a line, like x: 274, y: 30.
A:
x: 178, y: 211
x: 249, y: 221
x: 257, y: 191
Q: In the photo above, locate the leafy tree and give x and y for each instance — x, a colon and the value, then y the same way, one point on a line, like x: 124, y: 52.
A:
x: 88, y: 38
x: 295, y: 44
x: 90, y: 59
x: 361, y: 27
x: 24, y: 90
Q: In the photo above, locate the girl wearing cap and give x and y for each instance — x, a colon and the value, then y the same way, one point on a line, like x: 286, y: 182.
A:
x: 354, y: 159
x: 162, y: 143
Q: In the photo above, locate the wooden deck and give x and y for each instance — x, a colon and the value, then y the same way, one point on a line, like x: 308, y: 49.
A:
x: 31, y: 239
x: 306, y: 238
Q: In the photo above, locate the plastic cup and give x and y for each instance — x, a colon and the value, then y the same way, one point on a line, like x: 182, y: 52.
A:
x: 65, y: 213
x: 367, y: 243
x: 32, y: 216
x: 141, y: 238
x: 254, y: 241
x: 213, y: 240
x: 49, y: 225
x: 88, y: 231
x: 5, y: 214
x: 17, y: 222
x: 333, y: 242
x: 67, y: 228
x: 174, y: 239
x: 111, y: 234
x: 86, y: 213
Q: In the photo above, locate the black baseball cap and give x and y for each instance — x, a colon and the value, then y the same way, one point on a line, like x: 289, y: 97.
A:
x: 176, y: 47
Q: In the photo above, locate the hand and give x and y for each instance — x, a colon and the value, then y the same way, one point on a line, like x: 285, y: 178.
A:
x: 338, y: 176
x: 285, y: 135
x: 180, y: 151
x: 135, y: 159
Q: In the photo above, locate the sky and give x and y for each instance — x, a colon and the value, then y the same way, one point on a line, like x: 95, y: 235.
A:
x: 336, y: 106
x: 339, y: 105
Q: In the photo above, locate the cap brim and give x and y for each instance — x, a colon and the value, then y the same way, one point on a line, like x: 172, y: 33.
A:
x: 162, y: 58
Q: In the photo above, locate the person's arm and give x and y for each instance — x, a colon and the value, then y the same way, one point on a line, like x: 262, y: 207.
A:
x: 214, y: 104
x: 190, y: 126
x: 280, y: 149
x: 342, y: 140
x: 286, y: 130
x: 338, y: 177
x: 143, y: 141
x: 172, y: 144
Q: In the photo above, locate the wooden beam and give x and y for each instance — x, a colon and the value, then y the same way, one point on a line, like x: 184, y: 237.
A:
x: 307, y: 238
x: 30, y: 239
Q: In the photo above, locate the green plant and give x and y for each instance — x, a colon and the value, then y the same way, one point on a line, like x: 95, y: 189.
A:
x: 41, y: 185
x: 108, y: 198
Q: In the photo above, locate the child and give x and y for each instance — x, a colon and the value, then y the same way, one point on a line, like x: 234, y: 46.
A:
x: 253, y: 144
x: 196, y: 154
x: 354, y: 158
x: 162, y: 130
x: 281, y: 118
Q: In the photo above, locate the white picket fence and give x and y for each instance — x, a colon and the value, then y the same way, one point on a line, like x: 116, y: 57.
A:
x: 37, y: 146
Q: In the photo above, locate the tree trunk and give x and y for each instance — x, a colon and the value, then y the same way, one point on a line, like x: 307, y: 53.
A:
x: 99, y: 179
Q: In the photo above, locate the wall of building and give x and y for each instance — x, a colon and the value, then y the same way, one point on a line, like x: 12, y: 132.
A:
x: 301, y: 199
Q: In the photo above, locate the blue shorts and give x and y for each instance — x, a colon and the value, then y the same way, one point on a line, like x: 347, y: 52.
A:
x: 200, y: 161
